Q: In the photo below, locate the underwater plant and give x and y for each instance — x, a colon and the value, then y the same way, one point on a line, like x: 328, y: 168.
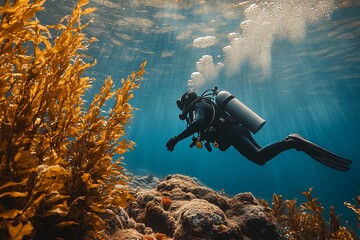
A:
x: 58, y: 177
x: 307, y: 220
x: 356, y: 209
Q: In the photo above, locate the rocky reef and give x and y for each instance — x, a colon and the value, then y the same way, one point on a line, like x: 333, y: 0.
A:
x: 181, y: 208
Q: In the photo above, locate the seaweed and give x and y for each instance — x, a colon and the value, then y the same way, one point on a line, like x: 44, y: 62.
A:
x: 58, y: 176
x: 356, y: 209
x: 306, y: 220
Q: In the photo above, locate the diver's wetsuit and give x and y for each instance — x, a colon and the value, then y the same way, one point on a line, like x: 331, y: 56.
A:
x: 214, y: 124
x: 230, y: 133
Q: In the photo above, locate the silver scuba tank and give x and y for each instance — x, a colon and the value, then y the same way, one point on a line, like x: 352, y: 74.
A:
x: 239, y: 111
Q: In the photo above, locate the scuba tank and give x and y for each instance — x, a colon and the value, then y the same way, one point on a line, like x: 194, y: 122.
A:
x: 239, y: 111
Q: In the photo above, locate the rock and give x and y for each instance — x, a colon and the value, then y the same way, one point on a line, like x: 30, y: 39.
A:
x: 120, y: 220
x: 159, y: 219
x: 127, y: 234
x: 148, y: 209
x: 185, y: 188
x: 183, y: 209
x: 253, y: 218
x: 199, y: 219
x: 146, y: 182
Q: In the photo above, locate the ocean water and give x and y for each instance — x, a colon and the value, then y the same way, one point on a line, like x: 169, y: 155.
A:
x: 295, y: 63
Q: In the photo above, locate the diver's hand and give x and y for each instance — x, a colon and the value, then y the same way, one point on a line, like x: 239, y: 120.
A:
x: 171, y: 144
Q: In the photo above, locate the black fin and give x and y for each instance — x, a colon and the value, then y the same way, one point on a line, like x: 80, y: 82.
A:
x: 320, y: 154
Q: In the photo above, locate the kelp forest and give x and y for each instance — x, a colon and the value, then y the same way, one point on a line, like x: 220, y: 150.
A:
x: 58, y: 177
x: 309, y: 219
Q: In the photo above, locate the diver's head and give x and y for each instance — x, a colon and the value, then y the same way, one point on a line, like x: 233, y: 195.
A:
x: 186, y: 99
x: 184, y: 102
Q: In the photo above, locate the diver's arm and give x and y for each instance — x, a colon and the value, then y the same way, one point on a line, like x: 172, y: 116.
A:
x: 195, y: 126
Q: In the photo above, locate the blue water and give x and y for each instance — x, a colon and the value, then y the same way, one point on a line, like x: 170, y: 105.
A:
x: 309, y: 85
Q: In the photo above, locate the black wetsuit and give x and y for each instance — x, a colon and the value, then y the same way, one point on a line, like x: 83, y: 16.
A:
x: 213, y: 124
x: 229, y: 133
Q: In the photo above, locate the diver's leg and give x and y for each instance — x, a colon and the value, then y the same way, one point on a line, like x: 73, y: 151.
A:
x: 260, y: 155
x: 244, y: 143
x: 269, y: 151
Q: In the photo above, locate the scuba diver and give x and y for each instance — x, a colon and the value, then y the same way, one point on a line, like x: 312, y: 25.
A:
x: 220, y: 118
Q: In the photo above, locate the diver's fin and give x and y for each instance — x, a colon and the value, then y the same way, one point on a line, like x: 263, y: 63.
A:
x: 320, y: 154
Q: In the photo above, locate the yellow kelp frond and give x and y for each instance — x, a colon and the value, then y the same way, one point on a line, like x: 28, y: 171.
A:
x: 306, y: 220
x: 355, y: 208
x: 58, y: 178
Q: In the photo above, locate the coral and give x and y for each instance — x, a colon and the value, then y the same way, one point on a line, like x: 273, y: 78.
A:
x: 198, y: 212
x: 159, y: 236
x: 155, y: 236
x: 57, y: 172
x: 166, y: 202
x: 147, y: 237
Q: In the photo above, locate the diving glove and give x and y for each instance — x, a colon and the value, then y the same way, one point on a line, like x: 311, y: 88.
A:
x: 171, y: 143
